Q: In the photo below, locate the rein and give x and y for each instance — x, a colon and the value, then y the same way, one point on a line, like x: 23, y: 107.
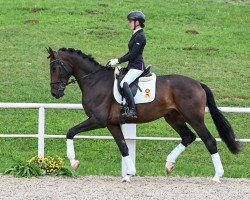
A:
x: 72, y: 81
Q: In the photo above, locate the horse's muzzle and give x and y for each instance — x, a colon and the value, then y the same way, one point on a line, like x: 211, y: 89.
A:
x: 57, y: 93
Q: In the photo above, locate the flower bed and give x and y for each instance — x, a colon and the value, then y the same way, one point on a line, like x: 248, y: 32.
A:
x: 40, y: 167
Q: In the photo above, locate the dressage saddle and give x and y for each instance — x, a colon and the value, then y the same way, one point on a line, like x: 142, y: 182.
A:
x: 134, y: 85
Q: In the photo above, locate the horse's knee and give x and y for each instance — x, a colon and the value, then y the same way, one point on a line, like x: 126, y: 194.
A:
x: 71, y: 133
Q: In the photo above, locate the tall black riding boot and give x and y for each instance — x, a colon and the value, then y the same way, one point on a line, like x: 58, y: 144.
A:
x: 130, y: 100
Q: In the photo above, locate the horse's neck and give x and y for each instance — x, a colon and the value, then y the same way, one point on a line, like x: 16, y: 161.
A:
x: 96, y: 88
x: 84, y: 68
x: 91, y: 76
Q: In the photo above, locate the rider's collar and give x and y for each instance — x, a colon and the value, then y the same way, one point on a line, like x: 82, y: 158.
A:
x: 137, y: 30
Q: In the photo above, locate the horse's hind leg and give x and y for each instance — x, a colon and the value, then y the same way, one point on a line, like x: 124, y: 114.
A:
x: 211, y: 146
x: 177, y: 122
x: 196, y: 120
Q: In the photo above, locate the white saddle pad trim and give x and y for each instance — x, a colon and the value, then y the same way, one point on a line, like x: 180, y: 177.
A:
x: 145, y: 79
x: 145, y: 96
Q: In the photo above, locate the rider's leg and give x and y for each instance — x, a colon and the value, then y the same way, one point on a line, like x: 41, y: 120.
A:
x: 131, y: 75
x: 130, y: 100
x: 128, y: 79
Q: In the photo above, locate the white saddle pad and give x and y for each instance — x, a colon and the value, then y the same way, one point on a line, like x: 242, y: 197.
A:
x: 145, y: 96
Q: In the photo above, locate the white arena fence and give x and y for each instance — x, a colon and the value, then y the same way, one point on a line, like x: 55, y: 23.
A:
x: 129, y: 130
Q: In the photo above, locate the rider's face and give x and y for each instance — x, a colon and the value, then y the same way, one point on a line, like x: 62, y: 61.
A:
x: 132, y: 24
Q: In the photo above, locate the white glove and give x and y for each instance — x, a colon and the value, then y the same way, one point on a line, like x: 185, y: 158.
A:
x: 113, y: 61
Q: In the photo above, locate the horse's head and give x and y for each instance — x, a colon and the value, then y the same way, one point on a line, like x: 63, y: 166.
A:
x: 60, y: 72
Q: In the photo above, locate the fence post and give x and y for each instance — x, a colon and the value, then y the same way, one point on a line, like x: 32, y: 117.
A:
x: 41, y: 128
x: 129, y: 130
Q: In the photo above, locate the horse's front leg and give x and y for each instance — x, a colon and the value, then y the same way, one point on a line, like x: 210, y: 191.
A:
x: 89, y: 124
x: 116, y: 132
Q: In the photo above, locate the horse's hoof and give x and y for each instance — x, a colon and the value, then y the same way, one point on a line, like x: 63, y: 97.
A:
x: 126, y: 179
x: 75, y: 164
x: 216, y: 179
x: 169, y: 167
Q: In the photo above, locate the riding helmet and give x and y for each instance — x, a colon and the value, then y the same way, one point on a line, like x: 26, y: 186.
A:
x: 137, y: 16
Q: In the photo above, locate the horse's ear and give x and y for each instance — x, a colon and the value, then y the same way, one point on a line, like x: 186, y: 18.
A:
x: 51, y: 53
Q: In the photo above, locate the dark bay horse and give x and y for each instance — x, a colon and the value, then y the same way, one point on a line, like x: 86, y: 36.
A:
x: 179, y: 99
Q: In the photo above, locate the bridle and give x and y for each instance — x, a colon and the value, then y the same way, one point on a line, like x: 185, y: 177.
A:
x: 62, y: 84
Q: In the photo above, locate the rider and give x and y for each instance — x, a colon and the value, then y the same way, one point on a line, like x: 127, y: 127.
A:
x: 134, y: 57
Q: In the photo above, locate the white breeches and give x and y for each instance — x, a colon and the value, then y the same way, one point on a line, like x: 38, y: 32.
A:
x: 131, y: 76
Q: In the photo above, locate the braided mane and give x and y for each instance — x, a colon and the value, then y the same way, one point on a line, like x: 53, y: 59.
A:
x: 83, y: 55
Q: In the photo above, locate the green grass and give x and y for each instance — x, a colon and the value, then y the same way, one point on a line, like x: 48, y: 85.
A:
x: 218, y: 55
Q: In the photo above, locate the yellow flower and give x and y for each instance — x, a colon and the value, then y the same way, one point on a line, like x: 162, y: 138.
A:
x: 47, y: 164
x: 41, y: 160
x: 52, y: 166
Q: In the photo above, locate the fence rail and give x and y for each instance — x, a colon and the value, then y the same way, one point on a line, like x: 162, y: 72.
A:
x: 104, y: 137
x: 79, y: 106
x: 129, y: 130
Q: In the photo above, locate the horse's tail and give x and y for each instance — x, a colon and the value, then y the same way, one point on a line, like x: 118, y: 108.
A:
x: 222, y: 124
